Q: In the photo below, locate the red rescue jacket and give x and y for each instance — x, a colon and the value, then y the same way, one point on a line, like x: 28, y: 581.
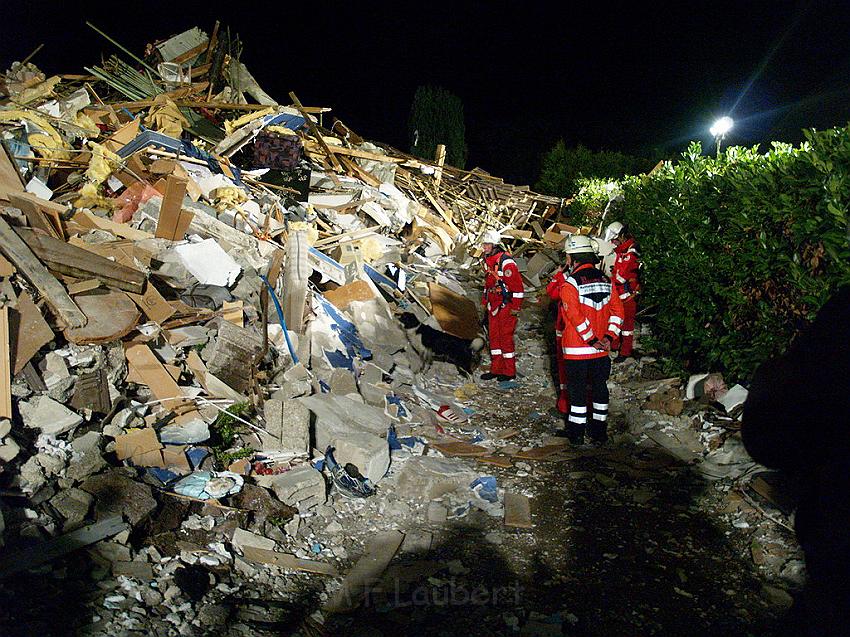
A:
x: 624, y: 274
x: 590, y: 312
x: 502, y: 283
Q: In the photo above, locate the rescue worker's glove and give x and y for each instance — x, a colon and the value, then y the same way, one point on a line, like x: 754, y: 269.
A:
x: 627, y: 287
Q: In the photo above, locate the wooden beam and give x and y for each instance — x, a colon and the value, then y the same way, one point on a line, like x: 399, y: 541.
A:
x: 5, y: 365
x: 53, y: 292
x: 441, y: 159
x: 77, y: 262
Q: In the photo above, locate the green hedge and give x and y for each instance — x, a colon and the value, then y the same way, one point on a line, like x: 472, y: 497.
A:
x: 740, y: 251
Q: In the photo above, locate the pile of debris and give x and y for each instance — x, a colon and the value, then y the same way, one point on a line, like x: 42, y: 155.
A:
x: 211, y: 310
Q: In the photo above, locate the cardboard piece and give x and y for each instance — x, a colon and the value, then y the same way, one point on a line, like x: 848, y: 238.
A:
x: 30, y: 332
x: 540, y: 453
x: 456, y: 314
x: 42, y: 214
x: 499, y: 461
x: 154, y: 375
x: 141, y: 446
x: 6, y: 267
x: 156, y: 308
x: 344, y: 295
x: 10, y: 180
x: 518, y: 511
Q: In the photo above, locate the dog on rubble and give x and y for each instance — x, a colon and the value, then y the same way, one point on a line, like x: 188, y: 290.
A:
x: 431, y: 344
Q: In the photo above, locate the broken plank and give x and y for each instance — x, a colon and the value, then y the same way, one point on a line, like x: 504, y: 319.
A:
x: 368, y: 569
x: 26, y: 262
x: 173, y: 220
x: 22, y: 559
x: 460, y: 449
x: 499, y: 461
x: 42, y: 214
x: 81, y: 287
x: 285, y: 560
x: 540, y: 453
x: 125, y: 231
x: 518, y: 511
x: 77, y: 262
x: 5, y: 365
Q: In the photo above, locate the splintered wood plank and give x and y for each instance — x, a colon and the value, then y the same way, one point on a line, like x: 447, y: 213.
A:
x: 518, y: 511
x: 367, y: 570
x: 5, y: 365
x: 26, y: 262
x: 285, y: 560
x: 460, y: 449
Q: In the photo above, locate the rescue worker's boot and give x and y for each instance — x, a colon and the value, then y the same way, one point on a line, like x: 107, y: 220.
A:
x: 575, y: 433
x: 597, y: 432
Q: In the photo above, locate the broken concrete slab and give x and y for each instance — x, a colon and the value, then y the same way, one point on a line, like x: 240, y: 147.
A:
x: 233, y: 354
x: 287, y: 426
x: 48, y: 416
x: 73, y: 505
x: 88, y: 457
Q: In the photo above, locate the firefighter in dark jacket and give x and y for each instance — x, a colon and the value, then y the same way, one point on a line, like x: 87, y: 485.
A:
x: 592, y: 319
x: 624, y: 276
x: 797, y: 419
x: 502, y: 299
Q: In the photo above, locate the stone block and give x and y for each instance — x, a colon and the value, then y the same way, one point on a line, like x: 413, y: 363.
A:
x: 118, y: 494
x: 288, y: 426
x: 342, y: 382
x: 73, y: 505
x: 368, y: 452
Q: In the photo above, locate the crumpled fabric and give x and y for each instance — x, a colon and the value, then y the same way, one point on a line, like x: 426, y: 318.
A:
x: 206, y: 485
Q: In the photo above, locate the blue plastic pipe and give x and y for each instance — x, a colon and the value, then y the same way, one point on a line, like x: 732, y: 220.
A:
x: 282, y: 320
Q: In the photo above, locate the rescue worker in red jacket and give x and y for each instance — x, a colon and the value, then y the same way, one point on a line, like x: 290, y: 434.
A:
x: 553, y: 289
x: 503, y: 295
x: 593, y: 319
x: 624, y: 275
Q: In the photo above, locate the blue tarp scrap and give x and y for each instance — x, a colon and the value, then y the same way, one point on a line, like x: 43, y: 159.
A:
x: 393, y: 399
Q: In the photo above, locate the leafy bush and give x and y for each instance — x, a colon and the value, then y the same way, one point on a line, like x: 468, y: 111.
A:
x: 436, y: 117
x: 589, y: 201
x: 740, y: 251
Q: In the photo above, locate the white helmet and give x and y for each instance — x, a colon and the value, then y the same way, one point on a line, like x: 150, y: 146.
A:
x: 580, y: 244
x: 491, y: 236
x: 614, y: 230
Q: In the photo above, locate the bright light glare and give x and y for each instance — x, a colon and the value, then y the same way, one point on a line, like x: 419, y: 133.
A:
x: 722, y: 126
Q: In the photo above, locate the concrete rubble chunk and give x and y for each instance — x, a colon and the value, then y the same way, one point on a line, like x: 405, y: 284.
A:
x: 118, y: 494
x: 88, y: 457
x: 302, y: 487
x: 48, y: 416
x: 368, y: 452
x: 288, y: 426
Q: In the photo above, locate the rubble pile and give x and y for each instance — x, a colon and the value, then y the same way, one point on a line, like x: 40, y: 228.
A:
x: 200, y: 322
x: 217, y: 323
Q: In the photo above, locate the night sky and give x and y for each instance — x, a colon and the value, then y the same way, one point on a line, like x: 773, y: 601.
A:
x: 643, y: 78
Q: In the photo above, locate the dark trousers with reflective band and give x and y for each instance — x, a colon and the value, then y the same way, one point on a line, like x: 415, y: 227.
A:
x: 627, y: 336
x: 593, y: 374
